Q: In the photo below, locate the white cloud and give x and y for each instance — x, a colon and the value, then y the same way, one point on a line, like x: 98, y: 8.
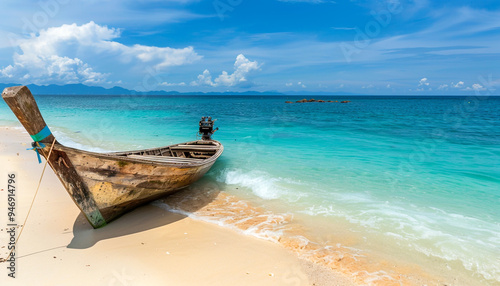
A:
x: 423, y: 82
x: 242, y: 67
x: 388, y: 86
x: 476, y: 87
x: 164, y: 57
x: 204, y: 79
x: 62, y: 55
x: 288, y: 84
x: 460, y: 84
x: 443, y: 86
x: 8, y: 71
x: 173, y: 84
x: 301, y: 84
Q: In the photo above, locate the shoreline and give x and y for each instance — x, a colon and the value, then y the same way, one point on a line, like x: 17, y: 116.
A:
x: 148, y: 245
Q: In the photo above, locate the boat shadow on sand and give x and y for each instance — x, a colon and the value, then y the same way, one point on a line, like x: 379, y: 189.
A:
x: 159, y: 213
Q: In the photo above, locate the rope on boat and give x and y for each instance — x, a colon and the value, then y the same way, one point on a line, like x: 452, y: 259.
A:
x: 32, y: 202
x: 37, y: 146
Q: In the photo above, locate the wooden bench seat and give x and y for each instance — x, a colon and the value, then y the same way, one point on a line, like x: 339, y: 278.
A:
x: 194, y: 148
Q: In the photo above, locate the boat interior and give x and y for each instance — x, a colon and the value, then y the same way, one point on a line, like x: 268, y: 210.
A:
x: 190, y: 152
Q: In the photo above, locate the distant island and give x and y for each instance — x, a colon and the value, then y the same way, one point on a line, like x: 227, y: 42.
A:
x: 81, y: 89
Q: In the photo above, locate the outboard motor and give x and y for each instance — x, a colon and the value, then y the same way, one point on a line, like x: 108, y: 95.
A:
x: 207, y: 128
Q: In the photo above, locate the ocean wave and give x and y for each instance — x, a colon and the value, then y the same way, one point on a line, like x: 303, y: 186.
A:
x: 262, y: 184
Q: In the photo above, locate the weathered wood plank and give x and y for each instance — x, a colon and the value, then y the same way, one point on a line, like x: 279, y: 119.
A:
x: 165, y: 159
x: 23, y: 104
x: 77, y: 189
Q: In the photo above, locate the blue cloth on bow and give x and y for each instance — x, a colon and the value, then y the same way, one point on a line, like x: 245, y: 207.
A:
x: 36, y: 145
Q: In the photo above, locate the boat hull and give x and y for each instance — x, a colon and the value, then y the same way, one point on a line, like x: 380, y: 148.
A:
x: 113, y: 185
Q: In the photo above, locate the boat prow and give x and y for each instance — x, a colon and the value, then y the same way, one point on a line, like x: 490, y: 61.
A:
x: 106, y: 185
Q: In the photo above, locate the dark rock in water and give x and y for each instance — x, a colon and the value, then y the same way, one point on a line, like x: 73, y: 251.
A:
x: 345, y: 101
x: 312, y: 100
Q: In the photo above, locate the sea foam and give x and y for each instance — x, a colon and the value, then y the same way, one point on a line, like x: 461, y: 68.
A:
x: 261, y: 184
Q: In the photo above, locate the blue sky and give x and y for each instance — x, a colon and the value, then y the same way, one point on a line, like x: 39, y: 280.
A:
x: 362, y: 47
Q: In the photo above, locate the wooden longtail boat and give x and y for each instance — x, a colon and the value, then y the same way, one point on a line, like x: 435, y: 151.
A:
x: 106, y: 185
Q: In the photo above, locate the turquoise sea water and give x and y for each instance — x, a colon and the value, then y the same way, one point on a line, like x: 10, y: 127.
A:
x: 415, y: 176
